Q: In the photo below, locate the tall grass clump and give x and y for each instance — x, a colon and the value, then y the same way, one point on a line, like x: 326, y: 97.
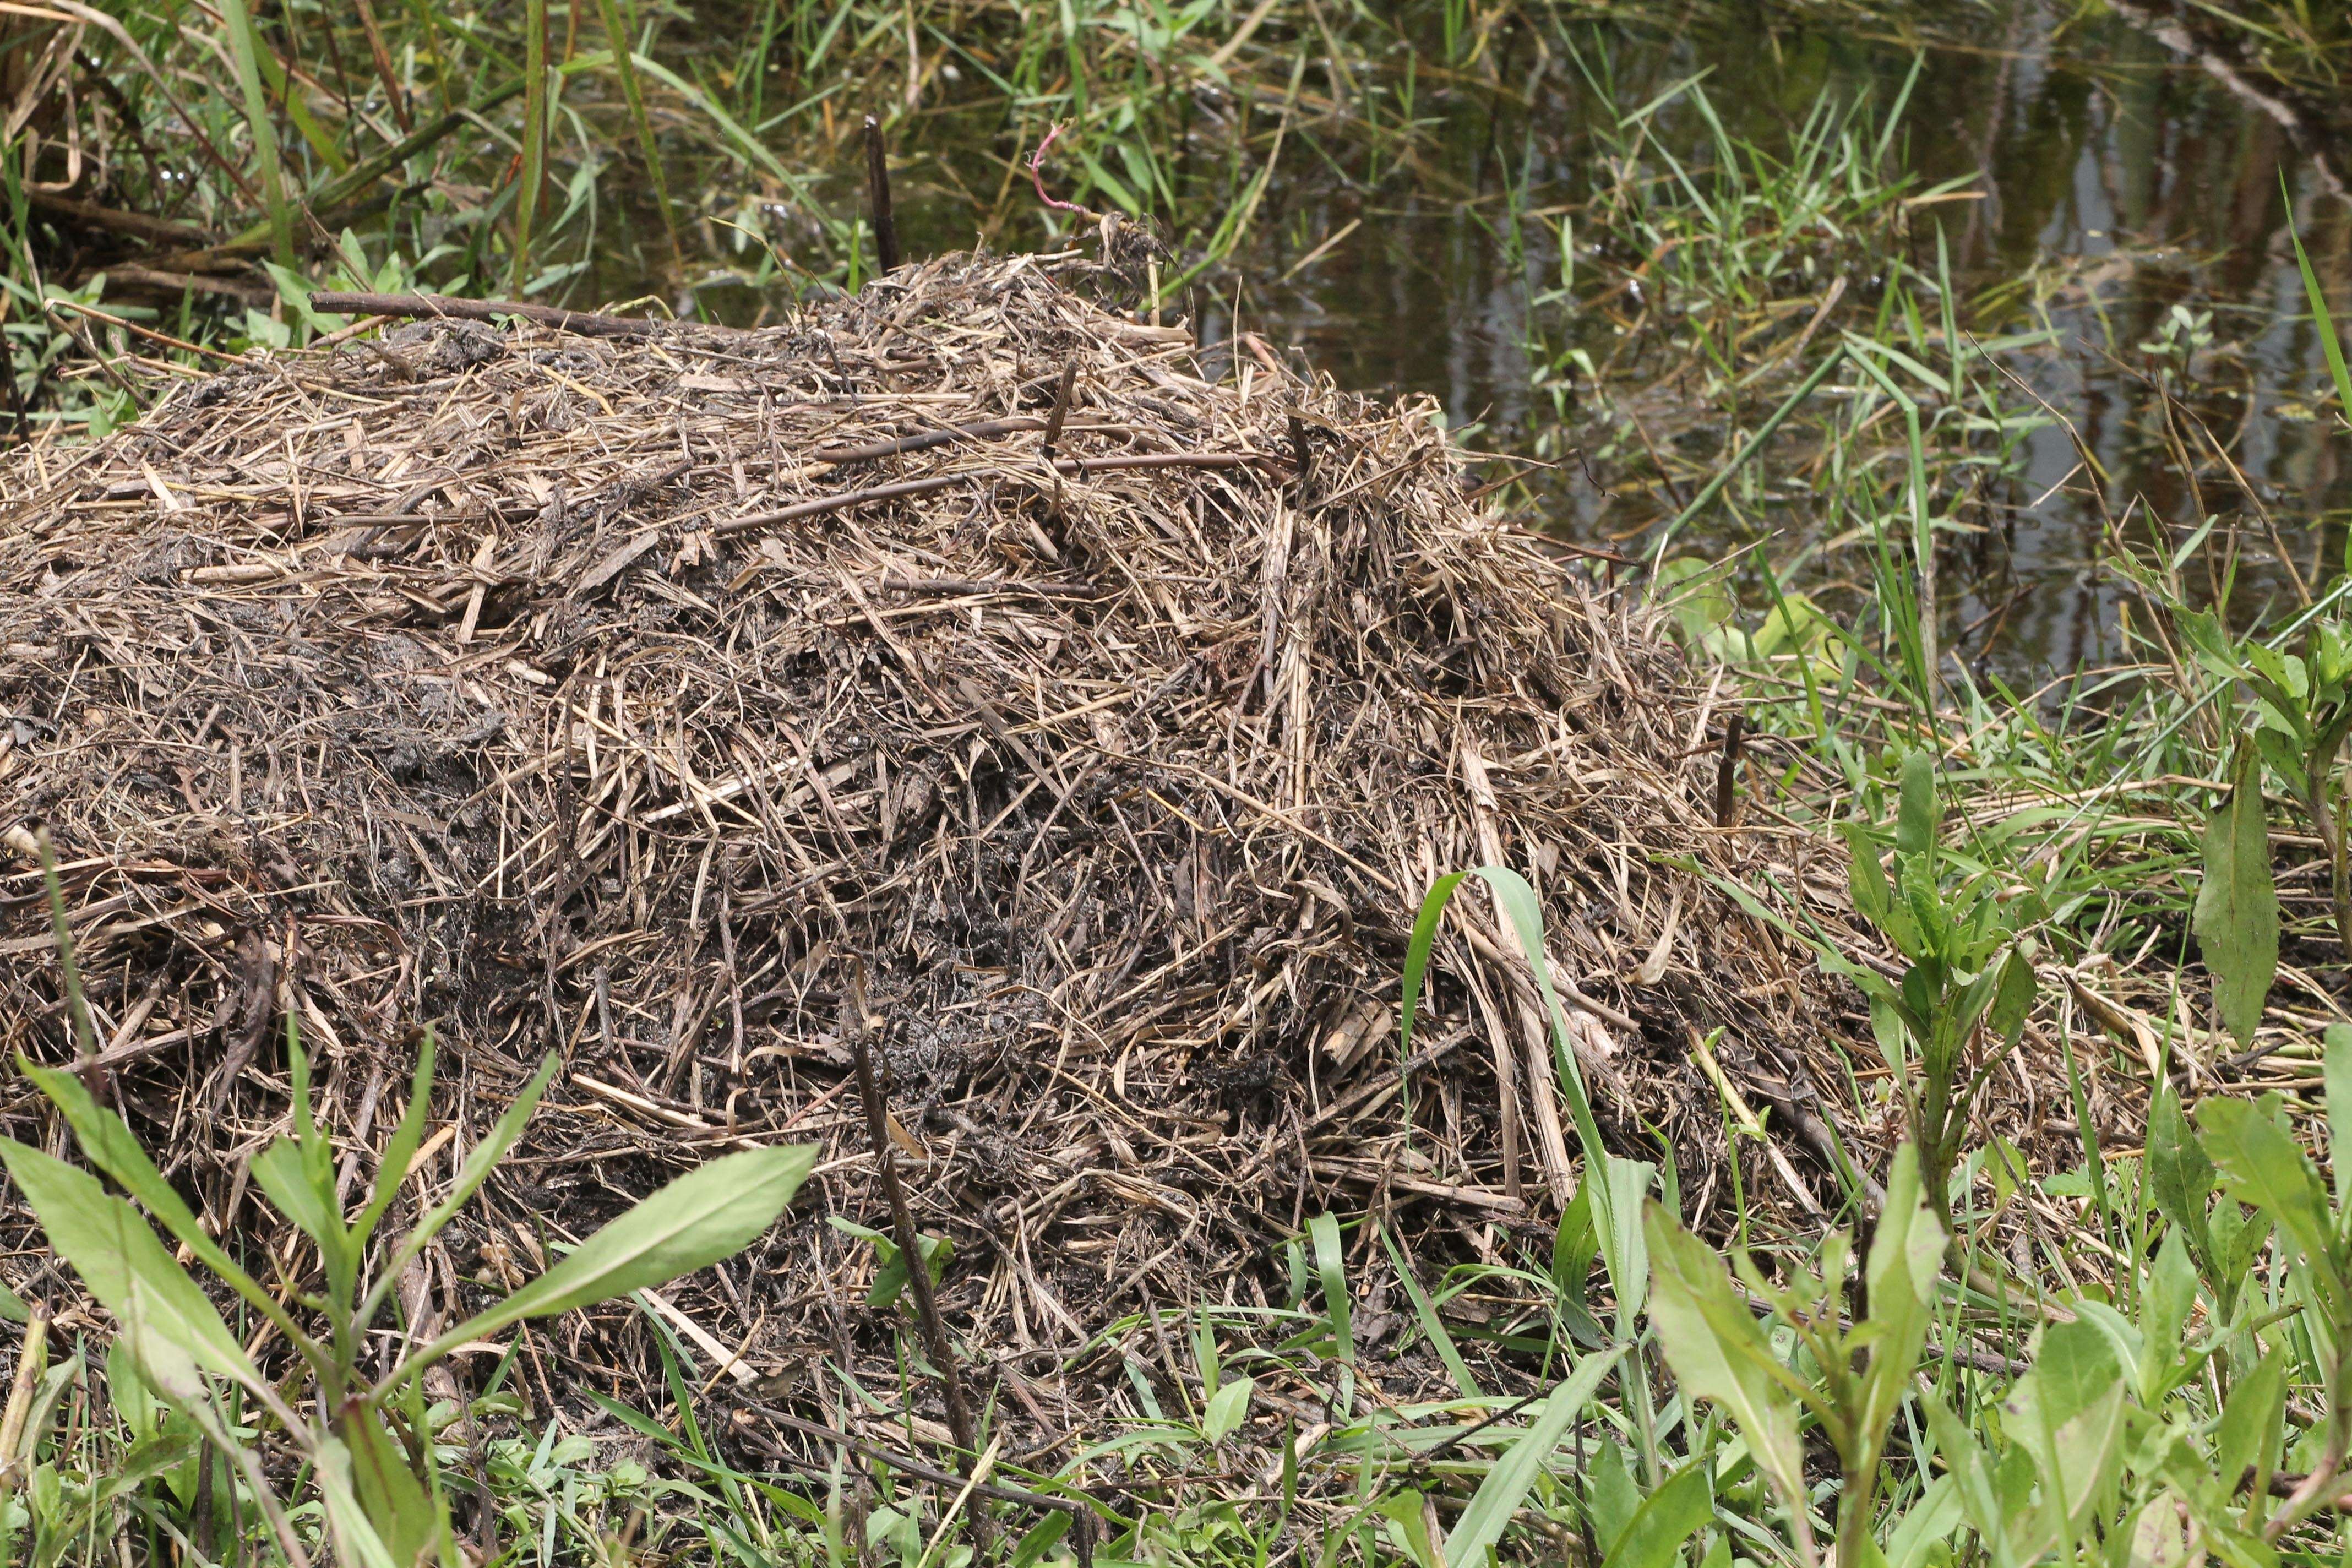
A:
x: 190, y: 173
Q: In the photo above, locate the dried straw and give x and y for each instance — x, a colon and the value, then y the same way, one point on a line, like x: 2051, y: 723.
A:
x: 689, y: 704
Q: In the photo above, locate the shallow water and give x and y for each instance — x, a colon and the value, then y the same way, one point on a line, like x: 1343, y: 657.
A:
x: 2106, y: 178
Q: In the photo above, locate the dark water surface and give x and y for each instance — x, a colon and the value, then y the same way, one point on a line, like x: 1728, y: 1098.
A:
x: 2108, y: 180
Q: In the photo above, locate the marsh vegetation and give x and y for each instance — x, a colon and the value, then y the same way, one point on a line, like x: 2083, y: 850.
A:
x: 1961, y: 384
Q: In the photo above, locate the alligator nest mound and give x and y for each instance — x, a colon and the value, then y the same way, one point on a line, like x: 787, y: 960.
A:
x: 954, y: 667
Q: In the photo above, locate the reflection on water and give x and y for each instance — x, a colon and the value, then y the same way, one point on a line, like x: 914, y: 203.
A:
x: 2128, y: 180
x: 2114, y: 181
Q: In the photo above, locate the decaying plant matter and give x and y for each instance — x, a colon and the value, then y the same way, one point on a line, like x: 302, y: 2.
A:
x: 686, y: 703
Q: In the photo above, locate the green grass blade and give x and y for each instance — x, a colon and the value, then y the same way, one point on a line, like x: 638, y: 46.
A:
x: 624, y: 71
x: 1431, y: 1325
x: 1739, y: 459
x: 534, y: 138
x: 1517, y: 903
x: 245, y: 55
x: 1514, y: 1474
x: 1331, y: 1271
x: 479, y: 1161
x: 2329, y: 344
x: 392, y: 1169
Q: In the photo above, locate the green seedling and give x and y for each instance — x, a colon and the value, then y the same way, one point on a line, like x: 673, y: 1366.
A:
x: 1962, y: 1001
x: 1861, y: 1373
x: 890, y: 1273
x: 2052, y: 1460
x: 2260, y: 1164
x: 2237, y: 911
x: 1613, y: 1187
x: 2223, y: 1239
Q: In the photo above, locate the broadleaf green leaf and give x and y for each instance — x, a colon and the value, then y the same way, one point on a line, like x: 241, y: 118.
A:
x: 284, y: 1179
x: 2069, y: 1416
x: 2236, y: 916
x: 1865, y: 876
x: 1719, y: 1351
x: 1978, y: 1481
x: 2263, y: 1166
x: 1653, y: 1537
x: 354, y: 1535
x: 891, y: 1275
x: 2014, y: 1000
x: 1919, y: 810
x: 2253, y: 1428
x: 2170, y: 1295
x: 1228, y: 1408
x: 175, y: 1332
x: 108, y: 1145
x: 2076, y: 1365
x: 1928, y: 1524
x: 2180, y: 1176
x: 397, y: 1507
x: 710, y: 1212
x: 1906, y: 1253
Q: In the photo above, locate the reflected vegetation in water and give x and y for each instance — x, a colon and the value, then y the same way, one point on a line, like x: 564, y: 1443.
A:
x: 1532, y: 227
x: 2123, y: 200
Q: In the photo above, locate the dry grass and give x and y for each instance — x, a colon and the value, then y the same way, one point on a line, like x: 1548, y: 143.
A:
x: 679, y: 702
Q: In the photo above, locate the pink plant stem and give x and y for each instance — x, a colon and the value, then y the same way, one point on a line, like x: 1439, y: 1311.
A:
x: 1037, y: 172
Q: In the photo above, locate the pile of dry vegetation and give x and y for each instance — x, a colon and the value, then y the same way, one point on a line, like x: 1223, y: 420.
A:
x: 953, y: 664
